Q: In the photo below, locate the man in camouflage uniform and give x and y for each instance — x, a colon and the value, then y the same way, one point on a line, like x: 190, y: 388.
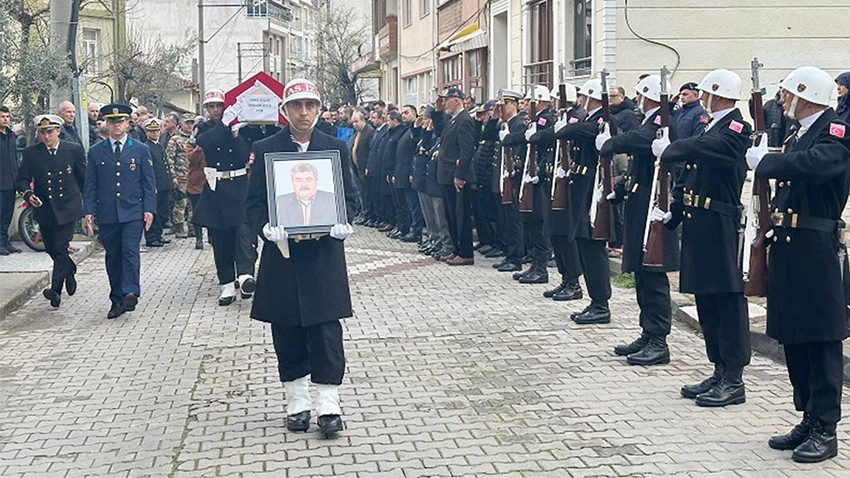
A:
x: 178, y: 167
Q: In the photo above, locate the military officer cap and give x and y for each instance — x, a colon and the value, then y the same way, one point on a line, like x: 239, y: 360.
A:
x: 187, y: 118
x: 47, y: 121
x: 152, y: 124
x: 116, y: 111
x: 453, y: 92
x: 507, y: 94
x: 488, y: 106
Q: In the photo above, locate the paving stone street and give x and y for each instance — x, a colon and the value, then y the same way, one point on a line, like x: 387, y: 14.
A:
x: 451, y: 371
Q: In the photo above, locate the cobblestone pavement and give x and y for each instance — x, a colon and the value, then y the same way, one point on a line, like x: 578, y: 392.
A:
x: 451, y: 372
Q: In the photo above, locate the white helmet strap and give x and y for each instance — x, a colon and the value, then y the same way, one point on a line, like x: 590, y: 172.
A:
x: 292, y: 125
x: 792, y: 111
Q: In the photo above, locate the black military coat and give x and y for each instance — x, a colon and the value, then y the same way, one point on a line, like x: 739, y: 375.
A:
x: 582, y: 178
x: 638, y: 144
x: 544, y: 143
x: 805, y: 295
x: 561, y: 222
x: 160, y: 171
x: 516, y: 141
x: 311, y: 286
x: 57, y: 180
x: 224, y: 207
x: 715, y: 168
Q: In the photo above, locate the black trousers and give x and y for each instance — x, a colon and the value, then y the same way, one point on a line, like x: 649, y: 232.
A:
x: 513, y: 235
x: 315, y: 350
x: 7, y: 210
x: 566, y: 257
x: 162, y: 213
x: 486, y: 214
x: 401, y: 213
x: 234, y: 252
x: 726, y: 328
x: 594, y: 264
x: 387, y: 207
x: 617, y: 211
x: 815, y: 370
x: 366, y: 196
x: 459, y: 215
x: 653, y: 297
x: 57, y: 238
x: 538, y: 243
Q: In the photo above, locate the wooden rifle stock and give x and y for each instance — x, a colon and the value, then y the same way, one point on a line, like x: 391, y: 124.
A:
x: 756, y: 279
x: 526, y: 193
x: 602, y: 222
x: 507, y: 180
x: 560, y: 197
x: 653, y: 253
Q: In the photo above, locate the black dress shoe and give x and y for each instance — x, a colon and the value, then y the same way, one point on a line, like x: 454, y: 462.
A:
x: 410, y: 238
x: 795, y: 437
x: 526, y: 259
x: 549, y: 293
x: 636, y: 346
x: 485, y: 249
x: 53, y: 296
x: 299, y: 422
x: 496, y: 252
x: 722, y: 394
x: 655, y: 353
x: 691, y: 391
x: 551, y: 263
x: 223, y: 301
x: 509, y: 267
x: 4, y: 251
x: 164, y: 240
x: 71, y: 284
x: 570, y: 292
x: 248, y: 286
x: 477, y: 246
x: 329, y: 425
x: 130, y: 301
x: 597, y: 314
x: 583, y: 311
x: 822, y: 444
x: 12, y: 249
x: 154, y: 244
x: 116, y: 311
x: 536, y: 276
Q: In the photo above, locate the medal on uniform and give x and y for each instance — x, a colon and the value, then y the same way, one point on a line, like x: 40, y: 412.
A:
x: 132, y: 164
x: 68, y: 169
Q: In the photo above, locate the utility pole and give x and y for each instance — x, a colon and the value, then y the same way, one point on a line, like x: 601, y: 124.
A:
x: 201, y: 89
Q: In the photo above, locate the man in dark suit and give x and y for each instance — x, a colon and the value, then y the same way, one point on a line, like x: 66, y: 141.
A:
x: 372, y: 172
x: 8, y: 173
x: 302, y: 286
x: 455, y: 173
x: 56, y: 170
x: 360, y: 145
x: 120, y: 191
x: 68, y: 112
x: 306, y: 205
x: 153, y: 236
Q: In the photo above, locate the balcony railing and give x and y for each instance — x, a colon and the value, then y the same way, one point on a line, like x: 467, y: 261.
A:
x: 539, y: 73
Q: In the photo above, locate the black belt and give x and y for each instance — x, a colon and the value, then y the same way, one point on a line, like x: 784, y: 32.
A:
x: 704, y: 202
x: 796, y: 221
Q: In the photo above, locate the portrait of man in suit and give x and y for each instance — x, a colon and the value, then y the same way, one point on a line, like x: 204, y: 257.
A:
x: 306, y: 205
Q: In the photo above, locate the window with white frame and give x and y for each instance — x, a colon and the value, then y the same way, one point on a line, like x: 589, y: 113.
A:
x: 91, y: 50
x: 424, y: 7
x: 407, y: 12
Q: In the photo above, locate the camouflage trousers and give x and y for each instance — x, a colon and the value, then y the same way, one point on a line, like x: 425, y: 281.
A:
x: 182, y: 213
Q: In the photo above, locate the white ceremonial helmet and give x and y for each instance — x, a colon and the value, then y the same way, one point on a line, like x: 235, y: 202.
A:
x: 591, y: 89
x: 810, y: 83
x: 723, y: 83
x: 299, y: 89
x: 213, y: 96
x: 539, y: 93
x: 650, y: 87
x: 571, y: 92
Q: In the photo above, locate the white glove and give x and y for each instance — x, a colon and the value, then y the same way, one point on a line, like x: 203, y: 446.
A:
x: 658, y: 215
x: 603, y: 137
x: 611, y: 195
x: 341, y: 231
x: 235, y: 128
x: 275, y: 234
x: 560, y: 123
x: 660, y: 144
x: 559, y: 172
x: 231, y: 113
x: 530, y: 132
x: 503, y: 133
x: 755, y: 153
x: 528, y: 179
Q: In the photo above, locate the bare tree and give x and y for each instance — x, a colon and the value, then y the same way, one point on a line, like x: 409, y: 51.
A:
x: 338, y: 34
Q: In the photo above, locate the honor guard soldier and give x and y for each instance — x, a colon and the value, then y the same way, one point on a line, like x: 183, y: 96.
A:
x: 806, y: 308
x: 511, y: 135
x: 153, y: 236
x: 221, y: 206
x: 120, y: 192
x: 302, y: 286
x: 561, y: 222
x: 540, y: 136
x: 707, y: 206
x: 51, y: 176
x: 592, y: 252
x: 651, y: 284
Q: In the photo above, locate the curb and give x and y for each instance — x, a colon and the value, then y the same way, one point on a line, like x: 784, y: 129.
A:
x: 759, y: 340
x: 21, y: 296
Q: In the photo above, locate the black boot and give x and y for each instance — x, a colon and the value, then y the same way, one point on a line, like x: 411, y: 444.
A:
x: 53, y: 296
x: 795, y: 437
x: 597, y: 314
x: 583, y: 311
x: 636, y: 346
x: 821, y: 445
x: 299, y: 422
x: 519, y: 275
x: 551, y: 292
x: 508, y: 266
x: 329, y: 425
x: 571, y: 292
x: 535, y: 276
x: 655, y: 352
x: 728, y: 391
x: 691, y: 391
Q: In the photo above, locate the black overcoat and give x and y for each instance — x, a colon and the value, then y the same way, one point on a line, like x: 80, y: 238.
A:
x: 714, y: 167
x: 311, y: 286
x: 57, y: 180
x: 224, y: 207
x: 561, y: 222
x: 544, y: 142
x: 457, y: 147
x: 805, y: 296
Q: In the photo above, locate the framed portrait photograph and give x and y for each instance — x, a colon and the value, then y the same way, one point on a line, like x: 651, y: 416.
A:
x: 305, y: 191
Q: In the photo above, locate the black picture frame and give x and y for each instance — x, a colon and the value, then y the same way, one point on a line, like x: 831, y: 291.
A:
x: 286, y: 210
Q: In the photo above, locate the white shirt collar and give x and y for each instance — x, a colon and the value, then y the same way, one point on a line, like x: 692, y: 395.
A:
x: 648, y: 114
x: 716, y: 116
x: 301, y: 146
x: 122, y: 140
x: 593, y: 111
x: 807, y: 123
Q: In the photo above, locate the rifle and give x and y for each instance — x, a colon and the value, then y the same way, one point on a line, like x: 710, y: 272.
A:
x: 507, y: 166
x: 755, y: 275
x: 526, y: 191
x: 560, y: 198
x: 653, y: 235
x: 602, y: 222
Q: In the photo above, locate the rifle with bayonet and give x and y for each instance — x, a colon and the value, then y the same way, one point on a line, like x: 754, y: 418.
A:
x: 755, y: 274
x: 653, y: 235
x: 602, y: 217
x: 560, y: 196
x: 529, y: 170
x: 507, y: 163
